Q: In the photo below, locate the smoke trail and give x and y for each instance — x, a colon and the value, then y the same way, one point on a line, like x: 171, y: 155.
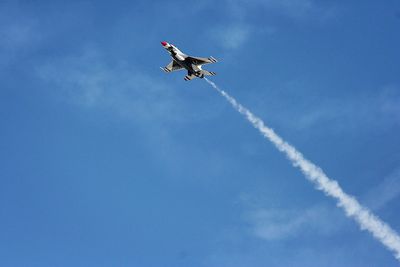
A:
x: 366, y: 220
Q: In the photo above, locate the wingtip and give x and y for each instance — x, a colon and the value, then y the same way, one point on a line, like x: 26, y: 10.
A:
x: 213, y: 60
x: 165, y: 69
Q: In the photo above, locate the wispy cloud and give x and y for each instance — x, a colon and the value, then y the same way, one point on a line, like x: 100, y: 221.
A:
x: 281, y: 224
x: 362, y: 110
x: 231, y: 36
x: 235, y: 35
x: 89, y: 81
x: 15, y: 34
x: 156, y: 110
x: 241, y: 23
x: 386, y: 191
x: 19, y: 33
x: 271, y: 223
x: 389, y: 101
x: 293, y: 9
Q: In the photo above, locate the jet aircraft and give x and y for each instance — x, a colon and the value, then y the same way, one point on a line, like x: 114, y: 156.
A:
x: 191, y: 64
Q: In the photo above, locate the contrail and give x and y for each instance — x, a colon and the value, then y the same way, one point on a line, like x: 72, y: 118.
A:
x: 362, y: 215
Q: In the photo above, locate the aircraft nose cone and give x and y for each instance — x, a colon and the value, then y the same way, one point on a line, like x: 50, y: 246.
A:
x: 164, y: 43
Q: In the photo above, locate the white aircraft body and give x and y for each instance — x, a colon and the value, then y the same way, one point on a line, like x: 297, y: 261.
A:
x: 191, y: 64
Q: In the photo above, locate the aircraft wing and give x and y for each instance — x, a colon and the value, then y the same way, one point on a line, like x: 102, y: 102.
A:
x: 201, y: 60
x: 173, y: 66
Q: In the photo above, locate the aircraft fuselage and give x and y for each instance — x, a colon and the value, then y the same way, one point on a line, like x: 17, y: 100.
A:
x: 193, y: 65
x: 181, y: 59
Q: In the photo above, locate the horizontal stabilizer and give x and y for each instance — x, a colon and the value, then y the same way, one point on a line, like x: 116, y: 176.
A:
x: 189, y: 77
x: 208, y: 73
x: 165, y: 69
x: 213, y: 60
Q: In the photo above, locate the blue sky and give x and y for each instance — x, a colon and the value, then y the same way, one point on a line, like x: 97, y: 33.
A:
x: 107, y: 161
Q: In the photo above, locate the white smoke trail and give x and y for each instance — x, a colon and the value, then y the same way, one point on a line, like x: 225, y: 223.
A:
x: 366, y: 220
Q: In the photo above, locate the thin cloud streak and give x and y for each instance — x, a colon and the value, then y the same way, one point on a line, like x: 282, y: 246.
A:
x: 280, y: 224
x: 366, y: 220
x: 386, y: 191
x: 232, y: 36
x: 292, y: 9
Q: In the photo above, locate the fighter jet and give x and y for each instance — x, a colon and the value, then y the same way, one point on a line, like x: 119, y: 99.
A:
x: 183, y: 61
